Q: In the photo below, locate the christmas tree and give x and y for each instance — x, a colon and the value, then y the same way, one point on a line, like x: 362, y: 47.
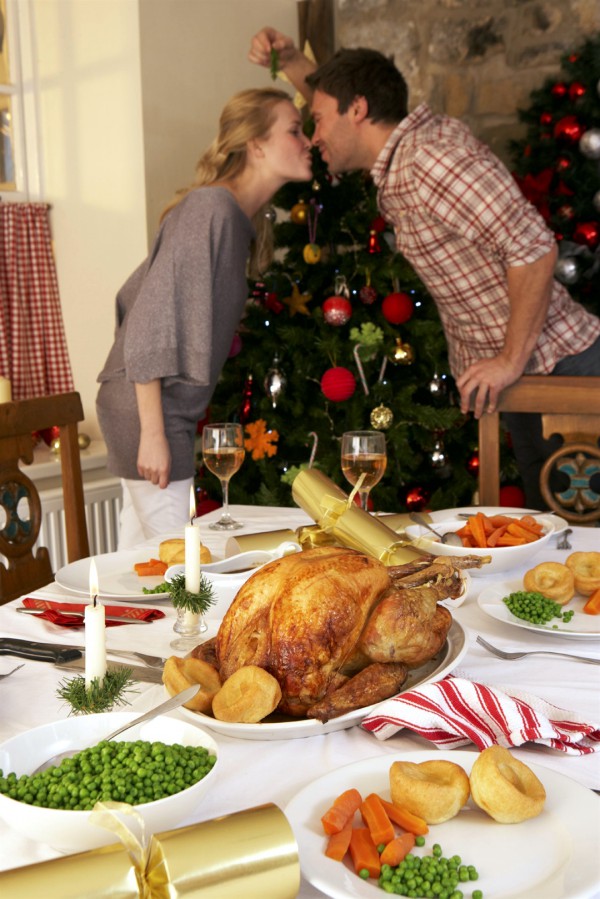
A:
x: 557, y: 165
x: 340, y: 335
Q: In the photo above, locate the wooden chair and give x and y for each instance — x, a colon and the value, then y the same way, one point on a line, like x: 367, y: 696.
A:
x: 20, y: 506
x: 570, y: 406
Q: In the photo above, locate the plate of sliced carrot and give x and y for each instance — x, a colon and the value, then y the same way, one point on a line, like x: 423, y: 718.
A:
x: 501, y: 541
x: 554, y: 854
x: 121, y: 575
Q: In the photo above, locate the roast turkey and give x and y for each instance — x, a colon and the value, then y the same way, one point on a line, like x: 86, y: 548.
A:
x: 335, y: 627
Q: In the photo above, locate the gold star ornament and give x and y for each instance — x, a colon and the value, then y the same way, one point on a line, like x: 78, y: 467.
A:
x: 298, y: 302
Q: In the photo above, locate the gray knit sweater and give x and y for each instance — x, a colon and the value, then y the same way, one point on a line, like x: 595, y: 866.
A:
x: 176, y: 317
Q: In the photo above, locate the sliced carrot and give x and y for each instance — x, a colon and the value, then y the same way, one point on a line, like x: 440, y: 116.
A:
x: 339, y: 843
x: 151, y: 567
x: 342, y: 811
x: 478, y: 530
x: 397, y: 849
x: 493, y: 538
x: 592, y: 606
x: 510, y: 540
x: 405, y: 819
x: 520, y: 530
x: 364, y: 852
x: 375, y: 817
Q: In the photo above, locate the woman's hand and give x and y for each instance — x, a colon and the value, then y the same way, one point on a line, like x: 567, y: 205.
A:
x: 154, y: 453
x: 154, y: 459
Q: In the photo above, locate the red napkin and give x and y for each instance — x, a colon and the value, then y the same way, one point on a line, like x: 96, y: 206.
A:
x: 454, y: 712
x: 58, y: 612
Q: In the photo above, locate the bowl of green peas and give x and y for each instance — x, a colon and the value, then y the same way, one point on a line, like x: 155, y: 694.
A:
x: 162, y: 768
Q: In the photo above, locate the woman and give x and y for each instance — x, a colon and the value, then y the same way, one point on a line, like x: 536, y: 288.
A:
x: 178, y: 312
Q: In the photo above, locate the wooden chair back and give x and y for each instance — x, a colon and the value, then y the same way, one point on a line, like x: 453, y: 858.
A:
x: 570, y: 406
x: 20, y: 506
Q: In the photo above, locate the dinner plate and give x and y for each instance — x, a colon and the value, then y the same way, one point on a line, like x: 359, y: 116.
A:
x: 580, y: 625
x: 444, y: 514
x: 292, y: 729
x: 554, y: 855
x: 116, y: 576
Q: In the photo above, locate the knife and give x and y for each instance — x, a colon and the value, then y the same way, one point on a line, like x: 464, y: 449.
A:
x: 151, y: 675
x: 120, y: 618
x: 38, y: 652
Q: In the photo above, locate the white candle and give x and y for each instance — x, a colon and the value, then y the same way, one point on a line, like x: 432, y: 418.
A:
x: 192, y: 550
x: 95, y: 634
x: 5, y: 391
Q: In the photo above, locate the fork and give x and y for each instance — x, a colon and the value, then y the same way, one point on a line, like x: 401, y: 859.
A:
x: 563, y: 543
x: 8, y: 673
x: 502, y: 654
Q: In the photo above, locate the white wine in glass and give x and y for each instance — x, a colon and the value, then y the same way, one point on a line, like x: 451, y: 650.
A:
x: 223, y: 453
x: 363, y: 453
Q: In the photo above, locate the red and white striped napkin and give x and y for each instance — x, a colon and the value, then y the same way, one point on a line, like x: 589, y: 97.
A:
x: 454, y: 712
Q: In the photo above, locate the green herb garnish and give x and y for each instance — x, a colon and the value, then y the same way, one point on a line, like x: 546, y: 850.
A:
x: 97, y: 698
x: 165, y: 587
x: 274, y: 63
x: 197, y: 603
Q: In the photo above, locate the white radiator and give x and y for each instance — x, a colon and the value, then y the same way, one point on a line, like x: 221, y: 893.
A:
x: 103, y: 501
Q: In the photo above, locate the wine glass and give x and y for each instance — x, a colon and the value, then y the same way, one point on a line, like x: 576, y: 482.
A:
x: 223, y: 453
x: 363, y: 452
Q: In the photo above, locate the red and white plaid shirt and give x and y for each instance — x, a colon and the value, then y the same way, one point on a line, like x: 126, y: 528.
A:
x: 461, y: 220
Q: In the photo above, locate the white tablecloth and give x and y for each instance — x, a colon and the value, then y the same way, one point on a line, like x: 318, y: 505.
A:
x: 279, y: 769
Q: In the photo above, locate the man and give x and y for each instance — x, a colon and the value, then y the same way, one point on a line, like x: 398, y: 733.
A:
x: 483, y: 252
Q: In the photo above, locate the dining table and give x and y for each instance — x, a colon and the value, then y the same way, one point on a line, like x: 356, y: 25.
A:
x: 256, y: 771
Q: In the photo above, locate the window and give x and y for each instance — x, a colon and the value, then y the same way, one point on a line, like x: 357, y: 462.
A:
x: 19, y: 154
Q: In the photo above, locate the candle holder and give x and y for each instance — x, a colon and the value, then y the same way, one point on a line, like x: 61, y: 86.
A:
x: 189, y: 626
x: 190, y: 608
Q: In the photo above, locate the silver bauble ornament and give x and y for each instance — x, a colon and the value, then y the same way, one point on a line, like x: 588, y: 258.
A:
x: 271, y: 214
x: 438, y: 455
x: 589, y: 143
x: 275, y: 382
x: 83, y: 441
x: 566, y: 270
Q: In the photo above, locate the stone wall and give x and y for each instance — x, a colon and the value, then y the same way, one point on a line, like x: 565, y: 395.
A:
x: 477, y: 60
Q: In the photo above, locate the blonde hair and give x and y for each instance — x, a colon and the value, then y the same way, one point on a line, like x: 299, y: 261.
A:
x: 248, y: 115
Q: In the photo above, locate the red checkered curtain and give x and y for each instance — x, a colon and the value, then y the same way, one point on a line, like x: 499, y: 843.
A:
x: 33, y: 348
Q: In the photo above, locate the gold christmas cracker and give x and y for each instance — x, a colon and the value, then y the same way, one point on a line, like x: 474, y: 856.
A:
x: 252, y: 853
x: 348, y: 524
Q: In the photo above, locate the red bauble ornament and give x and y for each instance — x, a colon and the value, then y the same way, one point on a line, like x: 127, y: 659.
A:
x: 416, y: 499
x: 512, y: 496
x: 545, y: 119
x: 397, y: 308
x: 577, y: 91
x: 559, y: 90
x: 245, y: 410
x: 236, y: 346
x: 378, y: 224
x: 587, y: 233
x: 367, y: 294
x: 49, y: 435
x: 373, y: 244
x: 568, y: 129
x: 473, y: 464
x: 338, y: 384
x: 337, y: 311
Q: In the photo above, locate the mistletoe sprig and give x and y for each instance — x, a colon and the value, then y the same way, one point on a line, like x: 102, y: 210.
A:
x: 197, y: 603
x: 99, y: 698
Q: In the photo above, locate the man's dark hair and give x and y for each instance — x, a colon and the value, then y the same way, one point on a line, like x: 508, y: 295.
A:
x: 364, y: 73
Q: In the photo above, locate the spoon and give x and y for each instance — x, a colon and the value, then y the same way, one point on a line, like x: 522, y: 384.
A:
x: 172, y: 703
x: 449, y: 537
